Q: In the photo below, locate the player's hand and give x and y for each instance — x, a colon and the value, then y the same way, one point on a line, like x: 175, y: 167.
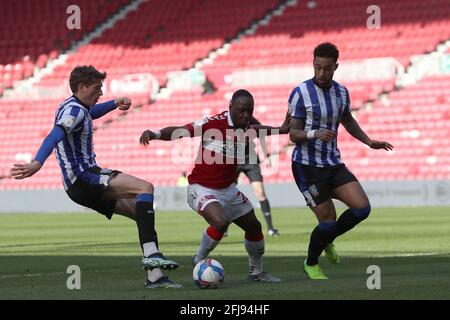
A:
x: 374, y: 144
x: 123, y: 103
x: 146, y: 136
x: 325, y: 135
x: 25, y: 170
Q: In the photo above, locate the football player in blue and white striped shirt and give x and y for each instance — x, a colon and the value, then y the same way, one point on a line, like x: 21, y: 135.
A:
x: 104, y: 190
x: 317, y: 107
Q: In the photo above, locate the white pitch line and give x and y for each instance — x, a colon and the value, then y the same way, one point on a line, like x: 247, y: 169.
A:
x: 19, y: 275
x: 412, y: 254
x: 9, y: 276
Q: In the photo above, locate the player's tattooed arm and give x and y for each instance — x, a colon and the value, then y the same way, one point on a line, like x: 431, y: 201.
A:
x: 297, y: 134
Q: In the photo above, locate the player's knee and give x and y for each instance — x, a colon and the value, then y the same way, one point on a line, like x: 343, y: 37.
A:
x: 146, y: 187
x: 222, y: 228
x: 362, y: 213
x: 221, y: 225
x: 254, y: 228
x: 254, y: 232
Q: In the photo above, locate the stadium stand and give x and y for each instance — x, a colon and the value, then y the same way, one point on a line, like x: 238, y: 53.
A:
x: 35, y: 31
x: 165, y: 40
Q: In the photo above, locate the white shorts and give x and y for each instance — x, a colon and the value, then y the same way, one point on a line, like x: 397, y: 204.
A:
x: 235, y: 203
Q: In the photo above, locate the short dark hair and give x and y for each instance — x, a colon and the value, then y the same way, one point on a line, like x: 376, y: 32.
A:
x: 86, y: 75
x: 241, y: 93
x: 327, y: 50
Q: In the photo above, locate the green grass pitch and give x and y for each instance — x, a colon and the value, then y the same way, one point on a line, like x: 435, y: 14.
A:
x: 410, y: 245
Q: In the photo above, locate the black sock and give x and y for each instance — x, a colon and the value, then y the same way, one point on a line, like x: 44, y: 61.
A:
x: 265, y: 208
x: 346, y: 222
x: 145, y: 220
x: 317, y: 243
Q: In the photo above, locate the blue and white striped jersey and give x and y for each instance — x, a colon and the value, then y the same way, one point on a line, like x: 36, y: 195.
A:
x: 75, y: 152
x: 319, y: 108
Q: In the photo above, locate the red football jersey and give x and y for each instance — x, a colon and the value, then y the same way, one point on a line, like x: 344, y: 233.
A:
x: 222, y: 149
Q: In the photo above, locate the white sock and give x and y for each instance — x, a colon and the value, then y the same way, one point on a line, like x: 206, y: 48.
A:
x: 207, y: 244
x: 154, y: 275
x: 255, y: 251
x: 149, y: 248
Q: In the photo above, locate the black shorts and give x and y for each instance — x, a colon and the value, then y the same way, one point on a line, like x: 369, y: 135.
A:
x: 89, y: 188
x: 316, y: 184
x: 252, y: 171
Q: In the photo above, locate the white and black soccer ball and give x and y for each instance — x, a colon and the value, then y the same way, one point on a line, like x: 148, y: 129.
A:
x: 208, y: 273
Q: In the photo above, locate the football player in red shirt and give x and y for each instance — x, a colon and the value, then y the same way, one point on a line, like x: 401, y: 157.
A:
x: 212, y: 190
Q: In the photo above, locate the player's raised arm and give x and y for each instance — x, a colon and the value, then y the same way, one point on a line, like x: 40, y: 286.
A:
x: 100, y: 109
x: 355, y: 130
x: 166, y: 134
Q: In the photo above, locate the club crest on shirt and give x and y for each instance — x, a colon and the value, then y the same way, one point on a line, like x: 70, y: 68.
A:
x: 313, y: 190
x: 68, y: 121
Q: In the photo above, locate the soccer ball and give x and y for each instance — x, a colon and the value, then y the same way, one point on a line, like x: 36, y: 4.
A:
x: 208, y: 273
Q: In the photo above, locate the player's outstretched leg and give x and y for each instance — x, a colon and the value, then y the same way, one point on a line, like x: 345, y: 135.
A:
x: 347, y: 221
x: 350, y: 218
x: 145, y: 220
